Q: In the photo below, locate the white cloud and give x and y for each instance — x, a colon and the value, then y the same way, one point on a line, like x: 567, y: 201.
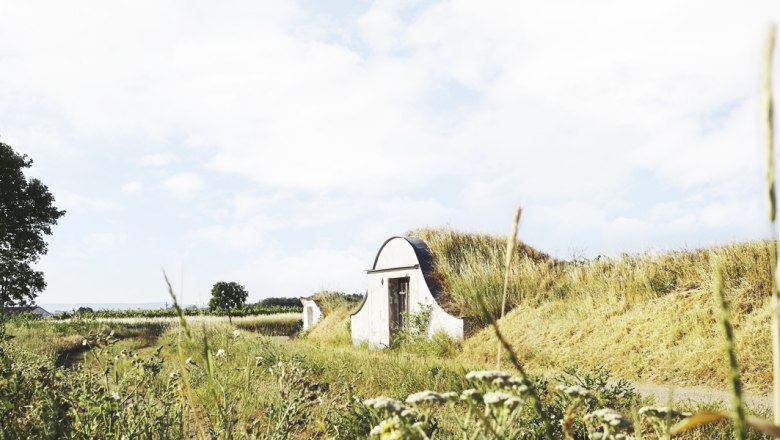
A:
x: 280, y: 274
x: 99, y: 241
x: 159, y: 159
x: 132, y: 187
x: 555, y: 93
x: 616, y: 125
x: 73, y: 202
x: 183, y: 186
x: 246, y: 234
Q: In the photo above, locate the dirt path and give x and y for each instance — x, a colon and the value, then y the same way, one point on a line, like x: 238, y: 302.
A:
x: 661, y: 393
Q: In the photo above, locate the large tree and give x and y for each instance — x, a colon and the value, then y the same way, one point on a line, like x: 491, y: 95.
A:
x: 27, y: 213
x: 227, y: 296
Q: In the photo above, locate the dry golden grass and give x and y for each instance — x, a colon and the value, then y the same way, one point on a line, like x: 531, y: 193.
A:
x: 672, y: 339
x: 334, y: 327
x: 647, y: 317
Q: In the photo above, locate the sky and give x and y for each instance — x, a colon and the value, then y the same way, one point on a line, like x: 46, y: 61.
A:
x: 279, y: 143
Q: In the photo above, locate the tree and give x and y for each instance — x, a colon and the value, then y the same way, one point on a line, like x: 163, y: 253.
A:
x: 27, y: 213
x: 227, y: 296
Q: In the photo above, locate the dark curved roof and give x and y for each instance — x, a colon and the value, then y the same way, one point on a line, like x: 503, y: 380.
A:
x: 362, y: 303
x: 421, y: 250
x: 424, y: 258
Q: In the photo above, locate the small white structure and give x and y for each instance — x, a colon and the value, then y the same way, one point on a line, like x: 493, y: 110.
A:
x: 399, y: 284
x: 311, y: 312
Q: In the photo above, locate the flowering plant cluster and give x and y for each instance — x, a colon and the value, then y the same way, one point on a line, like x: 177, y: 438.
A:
x: 499, y: 405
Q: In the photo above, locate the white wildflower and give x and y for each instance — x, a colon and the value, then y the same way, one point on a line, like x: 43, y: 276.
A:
x: 496, y: 398
x: 514, y: 383
x: 409, y: 414
x: 512, y: 402
x: 220, y: 352
x: 471, y: 395
x: 574, y: 391
x: 607, y: 416
x: 385, y: 403
x: 387, y: 429
x: 188, y: 361
x: 236, y: 333
x: 429, y: 397
x: 486, y: 375
x: 84, y: 342
x: 114, y: 395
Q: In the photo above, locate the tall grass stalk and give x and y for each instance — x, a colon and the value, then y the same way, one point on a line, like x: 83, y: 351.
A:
x: 188, y: 395
x: 511, y: 241
x: 737, y: 405
x: 534, y: 394
x: 502, y: 342
x: 767, y: 122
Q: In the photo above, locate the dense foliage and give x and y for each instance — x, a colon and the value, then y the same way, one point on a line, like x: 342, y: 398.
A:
x: 27, y: 213
x: 227, y: 296
x: 172, y: 313
x: 281, y: 301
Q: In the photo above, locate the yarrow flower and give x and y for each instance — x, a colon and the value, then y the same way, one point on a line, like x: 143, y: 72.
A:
x: 512, y: 403
x: 574, y: 391
x: 607, y: 416
x: 387, y: 429
x: 486, y: 375
x: 497, y: 398
x: 386, y: 404
x: 430, y: 397
x: 114, y: 395
x: 220, y: 352
x: 471, y: 395
x: 522, y: 386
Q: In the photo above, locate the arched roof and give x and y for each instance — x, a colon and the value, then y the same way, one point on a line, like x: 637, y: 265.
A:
x: 424, y: 258
x: 426, y: 262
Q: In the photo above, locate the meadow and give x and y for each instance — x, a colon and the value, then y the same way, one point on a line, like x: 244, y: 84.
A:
x: 261, y: 377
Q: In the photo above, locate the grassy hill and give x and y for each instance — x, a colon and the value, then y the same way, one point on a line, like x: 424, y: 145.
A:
x: 336, y: 308
x: 647, y: 316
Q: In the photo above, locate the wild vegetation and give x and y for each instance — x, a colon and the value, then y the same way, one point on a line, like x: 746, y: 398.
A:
x: 246, y: 310
x: 145, y: 378
x: 642, y: 316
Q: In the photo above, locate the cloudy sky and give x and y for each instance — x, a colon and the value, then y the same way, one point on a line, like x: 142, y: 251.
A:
x: 278, y: 143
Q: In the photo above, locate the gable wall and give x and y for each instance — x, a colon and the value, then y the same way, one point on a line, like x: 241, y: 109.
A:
x: 316, y: 313
x: 372, y: 322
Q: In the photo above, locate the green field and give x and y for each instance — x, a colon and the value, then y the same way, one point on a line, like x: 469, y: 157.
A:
x: 586, y: 323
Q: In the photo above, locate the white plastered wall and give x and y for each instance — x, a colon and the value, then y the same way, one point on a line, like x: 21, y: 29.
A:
x: 311, y: 313
x: 371, y: 323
